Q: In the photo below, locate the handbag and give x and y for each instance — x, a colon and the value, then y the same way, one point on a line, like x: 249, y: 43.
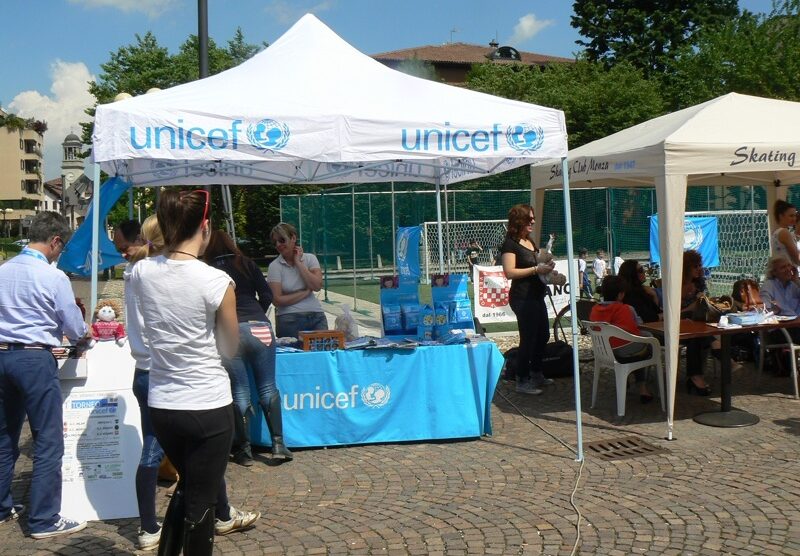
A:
x: 710, y: 309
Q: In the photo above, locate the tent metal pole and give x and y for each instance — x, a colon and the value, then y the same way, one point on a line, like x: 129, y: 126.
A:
x: 573, y: 310
x: 447, y: 231
x: 95, y: 235
x: 130, y: 204
x: 369, y: 205
x: 353, y: 205
x: 394, y: 236
x: 325, y: 244
x: 439, y: 222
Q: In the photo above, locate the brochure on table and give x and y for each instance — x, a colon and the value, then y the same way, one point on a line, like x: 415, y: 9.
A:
x: 451, y: 305
x: 399, y: 305
x: 102, y: 435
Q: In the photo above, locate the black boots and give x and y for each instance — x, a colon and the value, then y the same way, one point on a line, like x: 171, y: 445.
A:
x: 171, y: 541
x: 198, y: 536
x: 272, y: 412
x: 241, y: 451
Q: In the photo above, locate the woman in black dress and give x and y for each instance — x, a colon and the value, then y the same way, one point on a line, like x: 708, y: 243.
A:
x: 526, y: 298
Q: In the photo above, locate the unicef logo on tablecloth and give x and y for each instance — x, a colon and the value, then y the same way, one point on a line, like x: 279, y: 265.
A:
x: 525, y: 138
x: 692, y: 236
x: 268, y: 134
x: 376, y: 395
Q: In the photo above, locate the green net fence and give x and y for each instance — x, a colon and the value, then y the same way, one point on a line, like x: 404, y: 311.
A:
x: 352, y: 227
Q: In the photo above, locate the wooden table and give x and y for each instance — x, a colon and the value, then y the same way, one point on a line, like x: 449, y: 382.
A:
x: 726, y: 416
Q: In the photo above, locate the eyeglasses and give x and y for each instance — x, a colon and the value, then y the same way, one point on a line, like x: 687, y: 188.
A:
x: 208, y: 199
x: 640, y: 270
x: 279, y: 241
x: 61, y: 241
x: 532, y: 220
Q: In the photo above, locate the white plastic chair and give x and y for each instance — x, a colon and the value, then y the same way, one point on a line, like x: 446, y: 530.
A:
x: 794, y: 351
x: 601, y: 333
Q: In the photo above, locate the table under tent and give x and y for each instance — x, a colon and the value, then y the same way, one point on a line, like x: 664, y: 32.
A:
x: 731, y: 140
x: 312, y: 109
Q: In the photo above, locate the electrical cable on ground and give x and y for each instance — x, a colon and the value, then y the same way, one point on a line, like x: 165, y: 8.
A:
x: 577, y: 478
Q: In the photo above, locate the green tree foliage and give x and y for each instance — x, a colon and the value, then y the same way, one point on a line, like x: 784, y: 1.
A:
x: 645, y: 33
x: 751, y: 54
x: 596, y: 101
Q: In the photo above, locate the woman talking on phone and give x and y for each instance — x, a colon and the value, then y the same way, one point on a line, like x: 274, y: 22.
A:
x: 294, y: 277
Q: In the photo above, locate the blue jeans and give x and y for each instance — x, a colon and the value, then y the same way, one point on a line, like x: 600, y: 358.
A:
x: 29, y: 385
x: 289, y: 325
x: 151, y: 449
x: 261, y: 358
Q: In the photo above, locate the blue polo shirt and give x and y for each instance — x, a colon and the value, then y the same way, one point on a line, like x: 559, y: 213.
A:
x: 37, y: 305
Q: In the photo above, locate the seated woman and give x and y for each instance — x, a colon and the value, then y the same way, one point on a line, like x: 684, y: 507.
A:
x: 613, y: 311
x: 784, y: 242
x: 642, y: 298
x: 693, y: 285
x: 294, y: 277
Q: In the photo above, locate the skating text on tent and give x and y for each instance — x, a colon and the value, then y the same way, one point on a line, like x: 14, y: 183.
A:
x: 750, y: 154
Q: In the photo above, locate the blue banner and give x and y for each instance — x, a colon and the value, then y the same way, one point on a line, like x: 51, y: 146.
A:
x: 76, y: 257
x: 700, y: 233
x: 407, y: 242
x: 383, y: 395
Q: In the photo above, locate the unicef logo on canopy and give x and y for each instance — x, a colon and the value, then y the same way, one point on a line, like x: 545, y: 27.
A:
x: 692, y: 235
x: 268, y: 134
x: 375, y: 395
x: 525, y: 138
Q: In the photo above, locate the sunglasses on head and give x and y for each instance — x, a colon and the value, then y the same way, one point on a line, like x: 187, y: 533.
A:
x: 208, y: 199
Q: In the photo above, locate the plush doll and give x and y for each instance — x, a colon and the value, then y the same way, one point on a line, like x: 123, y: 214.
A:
x: 554, y: 277
x: 105, y: 326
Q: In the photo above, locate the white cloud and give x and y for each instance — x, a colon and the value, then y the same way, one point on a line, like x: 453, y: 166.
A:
x: 527, y: 27
x: 289, y: 12
x: 63, y: 109
x: 151, y: 8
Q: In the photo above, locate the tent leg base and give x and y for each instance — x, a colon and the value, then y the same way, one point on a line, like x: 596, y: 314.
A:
x: 727, y: 419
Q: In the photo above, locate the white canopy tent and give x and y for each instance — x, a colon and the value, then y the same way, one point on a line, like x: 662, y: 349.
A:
x: 312, y: 109
x: 731, y: 140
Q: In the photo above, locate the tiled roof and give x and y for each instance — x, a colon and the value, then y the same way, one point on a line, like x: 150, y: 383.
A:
x: 462, y: 53
x: 54, y: 186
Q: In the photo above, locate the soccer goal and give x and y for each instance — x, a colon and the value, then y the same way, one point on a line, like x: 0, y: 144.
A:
x: 456, y: 237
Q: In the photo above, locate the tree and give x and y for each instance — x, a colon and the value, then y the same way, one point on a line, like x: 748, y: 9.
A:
x: 751, y: 54
x: 596, y: 101
x: 645, y: 33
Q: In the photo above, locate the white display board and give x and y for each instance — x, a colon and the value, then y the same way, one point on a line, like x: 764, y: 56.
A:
x: 102, y: 437
x: 490, y: 294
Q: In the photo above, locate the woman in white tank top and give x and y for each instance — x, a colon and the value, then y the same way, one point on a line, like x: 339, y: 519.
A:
x: 784, y: 242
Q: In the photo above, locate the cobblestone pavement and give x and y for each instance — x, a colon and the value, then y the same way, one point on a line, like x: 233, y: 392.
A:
x: 715, y: 491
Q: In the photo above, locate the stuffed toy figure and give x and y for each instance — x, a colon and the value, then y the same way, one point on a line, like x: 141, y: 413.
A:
x: 105, y: 326
x: 554, y: 277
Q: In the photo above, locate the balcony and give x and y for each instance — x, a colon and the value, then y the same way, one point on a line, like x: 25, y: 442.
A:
x: 32, y: 187
x: 31, y: 167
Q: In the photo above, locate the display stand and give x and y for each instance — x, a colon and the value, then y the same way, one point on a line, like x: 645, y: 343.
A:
x: 399, y: 305
x: 102, y: 436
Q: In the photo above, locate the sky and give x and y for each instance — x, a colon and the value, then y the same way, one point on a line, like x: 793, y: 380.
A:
x: 52, y: 48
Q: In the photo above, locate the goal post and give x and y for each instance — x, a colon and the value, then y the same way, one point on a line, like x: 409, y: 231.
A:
x: 456, y: 237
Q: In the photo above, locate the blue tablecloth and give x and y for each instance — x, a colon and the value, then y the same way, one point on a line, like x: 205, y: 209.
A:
x: 385, y: 395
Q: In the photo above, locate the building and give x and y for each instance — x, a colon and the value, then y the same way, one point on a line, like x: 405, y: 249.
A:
x: 452, y: 61
x: 76, y: 186
x: 21, y: 191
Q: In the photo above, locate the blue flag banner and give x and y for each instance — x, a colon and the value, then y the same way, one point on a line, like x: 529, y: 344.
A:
x: 383, y: 395
x: 700, y: 233
x: 76, y: 257
x: 408, y: 253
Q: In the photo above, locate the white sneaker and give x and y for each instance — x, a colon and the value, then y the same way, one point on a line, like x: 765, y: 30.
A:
x: 63, y: 526
x: 148, y: 541
x: 527, y: 387
x: 16, y: 511
x: 239, y: 520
